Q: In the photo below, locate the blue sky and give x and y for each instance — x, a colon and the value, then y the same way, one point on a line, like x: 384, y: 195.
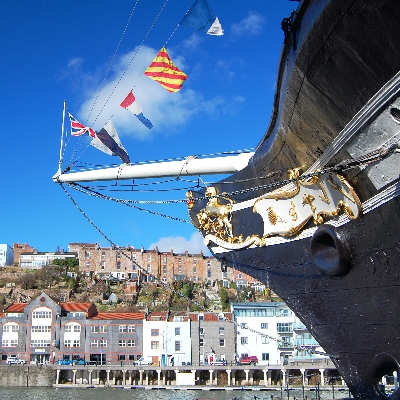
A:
x: 55, y: 51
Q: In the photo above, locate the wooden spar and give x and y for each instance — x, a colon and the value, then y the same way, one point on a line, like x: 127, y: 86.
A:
x: 188, y: 167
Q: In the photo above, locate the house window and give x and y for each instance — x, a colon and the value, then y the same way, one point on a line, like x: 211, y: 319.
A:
x: 154, y: 345
x: 103, y: 264
x: 194, y: 261
x: 194, y: 270
x: 155, y: 332
x: 131, y: 343
x: 177, y: 331
x: 221, y: 342
x: 221, y: 330
x: 265, y: 356
x: 87, y: 254
x: 164, y: 269
x: 201, y: 331
x: 201, y: 317
x: 118, y: 255
x: 94, y: 343
x: 118, y: 264
x: 264, y: 325
x: 102, y: 343
x: 179, y: 260
x: 40, y: 343
x: 220, y: 317
x: 133, y: 256
x: 284, y: 327
x: 149, y: 258
x: 148, y: 268
x: 11, y: 328
x: 208, y: 264
x: 121, y: 357
x: 131, y: 328
x: 177, y: 345
x: 103, y: 255
x: 264, y: 339
x: 133, y: 267
x: 122, y: 343
x: 243, y: 325
x: 87, y: 265
x: 99, y: 329
x: 122, y: 329
x: 180, y: 269
x: 201, y: 342
x: 209, y: 273
x: 72, y: 343
x: 244, y: 340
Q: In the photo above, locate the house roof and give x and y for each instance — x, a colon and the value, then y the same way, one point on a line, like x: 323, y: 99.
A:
x: 119, y: 315
x: 210, y: 317
x: 16, y: 308
x: 75, y: 307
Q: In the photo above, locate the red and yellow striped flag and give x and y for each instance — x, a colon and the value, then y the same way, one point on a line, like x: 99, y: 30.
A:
x: 165, y: 72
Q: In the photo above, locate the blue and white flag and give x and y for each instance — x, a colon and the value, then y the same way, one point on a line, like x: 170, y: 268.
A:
x: 133, y: 106
x: 107, y: 140
x: 201, y: 17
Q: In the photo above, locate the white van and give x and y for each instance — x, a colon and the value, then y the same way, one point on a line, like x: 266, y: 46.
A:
x: 144, y: 361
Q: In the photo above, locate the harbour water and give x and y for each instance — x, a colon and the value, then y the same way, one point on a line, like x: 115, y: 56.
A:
x: 41, y: 393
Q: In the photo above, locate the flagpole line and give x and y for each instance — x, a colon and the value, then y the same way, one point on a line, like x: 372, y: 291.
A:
x: 62, y: 138
x: 131, y: 60
x: 112, y: 61
x: 171, y: 35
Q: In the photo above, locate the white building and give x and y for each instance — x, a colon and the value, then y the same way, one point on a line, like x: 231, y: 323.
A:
x: 166, y: 338
x: 6, y: 255
x: 272, y: 332
x: 264, y: 330
x: 39, y: 260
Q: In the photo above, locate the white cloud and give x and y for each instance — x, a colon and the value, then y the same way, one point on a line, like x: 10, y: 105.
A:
x: 179, y: 244
x: 251, y: 25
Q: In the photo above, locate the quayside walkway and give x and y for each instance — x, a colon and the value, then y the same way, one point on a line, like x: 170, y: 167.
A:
x: 273, y: 376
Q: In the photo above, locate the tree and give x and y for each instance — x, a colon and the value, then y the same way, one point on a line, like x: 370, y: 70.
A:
x: 27, y: 281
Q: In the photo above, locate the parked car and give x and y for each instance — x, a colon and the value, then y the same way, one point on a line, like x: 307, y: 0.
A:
x: 247, y: 360
x: 15, y: 360
x: 219, y: 362
x: 143, y: 361
x: 64, y: 362
x: 79, y: 361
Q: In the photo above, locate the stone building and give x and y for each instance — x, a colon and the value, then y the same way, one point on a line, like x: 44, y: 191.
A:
x: 213, y: 337
x: 46, y: 331
x: 147, y: 265
x: 19, y: 248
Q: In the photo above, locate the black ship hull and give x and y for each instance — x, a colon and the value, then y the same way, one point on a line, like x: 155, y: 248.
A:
x: 336, y: 104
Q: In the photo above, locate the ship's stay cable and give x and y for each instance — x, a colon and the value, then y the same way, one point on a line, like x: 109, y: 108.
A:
x: 169, y: 287
x: 124, y: 72
x: 340, y: 167
x: 111, y: 62
x: 127, y: 203
x: 131, y: 60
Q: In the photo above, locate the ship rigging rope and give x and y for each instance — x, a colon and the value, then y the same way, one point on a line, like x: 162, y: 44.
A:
x: 111, y: 62
x: 170, y: 288
x: 123, y: 73
x: 344, y: 165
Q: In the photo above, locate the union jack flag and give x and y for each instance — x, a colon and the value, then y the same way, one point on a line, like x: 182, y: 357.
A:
x: 78, y: 129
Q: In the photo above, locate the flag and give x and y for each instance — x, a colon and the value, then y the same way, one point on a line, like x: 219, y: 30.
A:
x: 78, y: 129
x: 165, y: 72
x: 133, y: 106
x: 201, y: 17
x: 107, y: 140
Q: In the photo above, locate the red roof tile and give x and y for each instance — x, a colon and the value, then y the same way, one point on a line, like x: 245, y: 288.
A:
x: 118, y: 315
x: 77, y: 307
x: 16, y: 308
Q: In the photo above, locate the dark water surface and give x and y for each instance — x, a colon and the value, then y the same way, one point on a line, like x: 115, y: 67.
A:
x: 35, y: 393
